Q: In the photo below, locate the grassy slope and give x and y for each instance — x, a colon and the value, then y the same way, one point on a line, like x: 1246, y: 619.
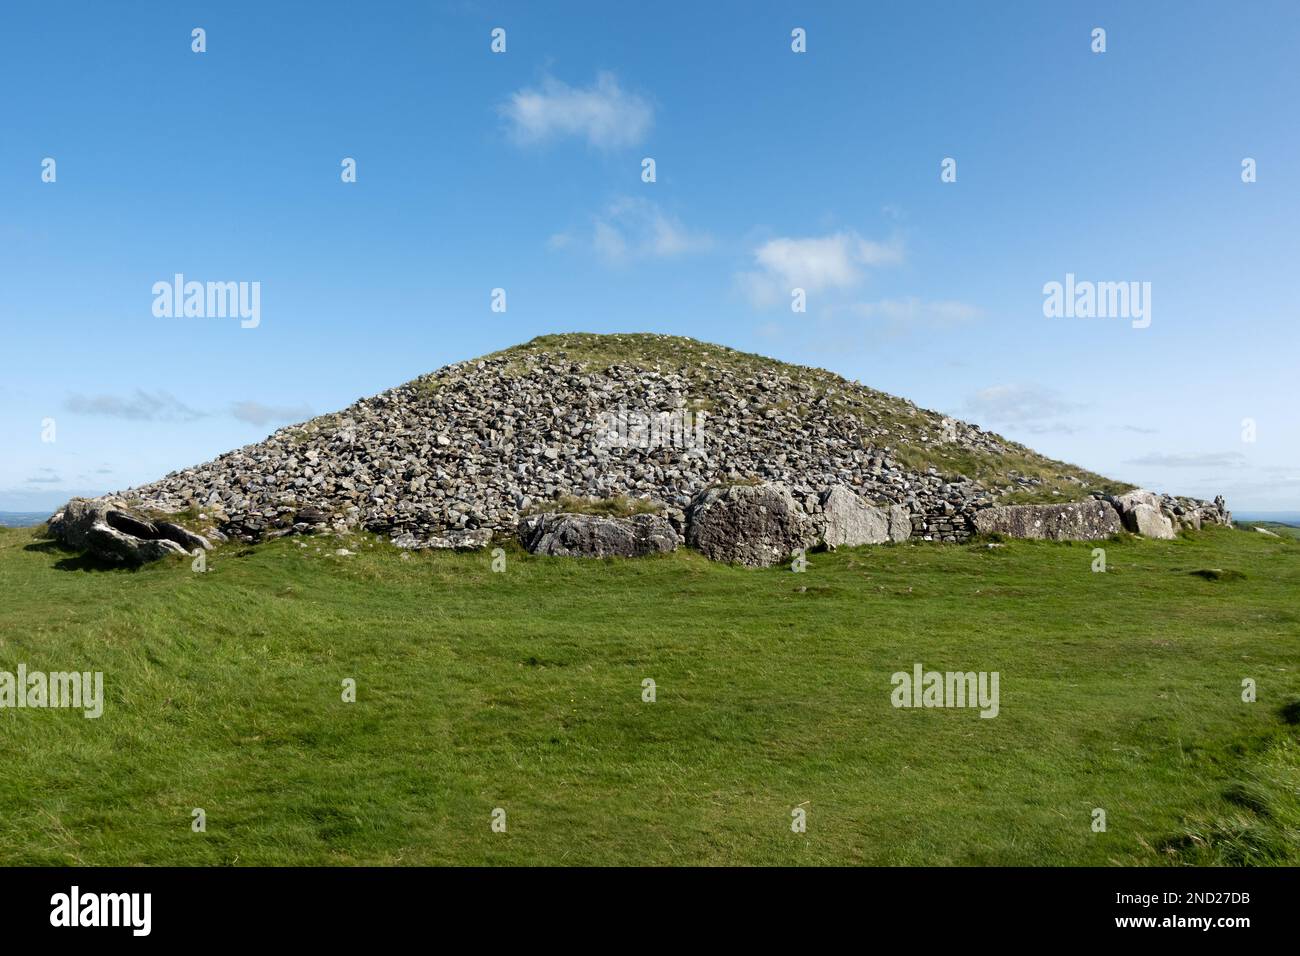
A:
x: 523, y: 690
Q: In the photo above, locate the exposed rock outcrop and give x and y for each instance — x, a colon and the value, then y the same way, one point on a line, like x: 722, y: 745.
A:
x: 597, y: 536
x: 103, y: 529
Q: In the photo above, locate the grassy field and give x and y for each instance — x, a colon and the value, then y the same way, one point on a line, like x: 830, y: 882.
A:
x: 523, y: 690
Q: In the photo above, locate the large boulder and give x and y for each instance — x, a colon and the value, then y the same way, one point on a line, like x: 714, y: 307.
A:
x: 1076, y: 521
x: 106, y: 530
x: 755, y: 525
x: 1149, y: 522
x: 597, y: 536
x: 1141, y: 513
x: 109, y: 544
x: 851, y: 521
x: 71, y: 526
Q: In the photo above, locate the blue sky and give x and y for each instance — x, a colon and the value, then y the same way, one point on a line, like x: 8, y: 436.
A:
x: 522, y: 171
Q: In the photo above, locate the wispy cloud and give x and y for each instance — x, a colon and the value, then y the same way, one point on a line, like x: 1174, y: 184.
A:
x: 1030, y: 408
x: 141, y: 406
x: 1214, y: 459
x: 814, y: 264
x: 629, y: 229
x: 44, y: 476
x: 1017, y: 403
x: 255, y: 413
x: 604, y: 114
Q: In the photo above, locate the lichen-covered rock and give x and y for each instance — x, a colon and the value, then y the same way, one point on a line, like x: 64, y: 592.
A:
x: 755, y: 525
x: 597, y: 536
x: 851, y: 521
x: 1076, y: 521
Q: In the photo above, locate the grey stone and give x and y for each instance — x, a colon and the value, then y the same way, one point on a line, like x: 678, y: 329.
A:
x: 1141, y: 513
x: 104, y: 529
x: 597, y: 536
x: 1077, y: 521
x: 72, y: 525
x: 754, y: 525
x: 900, y: 523
x: 850, y: 521
x: 473, y: 540
x: 130, y: 524
x: 109, y: 544
x: 1150, y: 522
x: 183, y: 536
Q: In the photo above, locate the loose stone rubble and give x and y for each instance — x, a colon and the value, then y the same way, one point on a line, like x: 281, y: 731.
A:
x: 455, y: 459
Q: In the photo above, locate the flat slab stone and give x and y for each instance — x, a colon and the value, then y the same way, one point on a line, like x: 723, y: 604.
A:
x: 1074, y: 521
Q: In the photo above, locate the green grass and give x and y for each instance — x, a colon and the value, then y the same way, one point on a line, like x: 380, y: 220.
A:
x: 522, y: 690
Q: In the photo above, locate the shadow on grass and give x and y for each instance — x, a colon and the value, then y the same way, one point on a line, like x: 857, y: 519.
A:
x: 74, y: 561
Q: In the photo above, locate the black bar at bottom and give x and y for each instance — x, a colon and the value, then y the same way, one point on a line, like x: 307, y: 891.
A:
x: 332, y: 906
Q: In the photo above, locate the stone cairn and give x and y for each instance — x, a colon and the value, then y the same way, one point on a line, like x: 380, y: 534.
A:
x: 746, y: 462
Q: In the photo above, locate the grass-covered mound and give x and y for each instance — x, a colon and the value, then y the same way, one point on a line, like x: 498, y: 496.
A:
x: 523, y: 690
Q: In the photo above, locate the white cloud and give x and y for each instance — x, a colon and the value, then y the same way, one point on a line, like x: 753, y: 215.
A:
x: 629, y: 229
x: 605, y: 114
x: 814, y: 264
